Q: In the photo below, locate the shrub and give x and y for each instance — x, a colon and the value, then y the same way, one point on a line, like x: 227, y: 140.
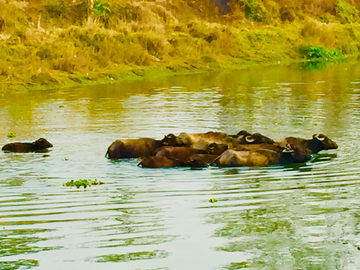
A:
x: 255, y: 11
x: 56, y: 7
x: 319, y: 54
x: 346, y: 12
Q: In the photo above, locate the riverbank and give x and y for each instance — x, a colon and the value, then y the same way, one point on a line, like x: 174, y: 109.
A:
x: 52, y: 44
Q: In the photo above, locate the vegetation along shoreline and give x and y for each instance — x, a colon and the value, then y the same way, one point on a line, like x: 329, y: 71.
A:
x: 62, y: 43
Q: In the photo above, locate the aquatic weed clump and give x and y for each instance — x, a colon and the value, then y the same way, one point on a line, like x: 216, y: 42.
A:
x: 83, y: 182
x: 11, y: 135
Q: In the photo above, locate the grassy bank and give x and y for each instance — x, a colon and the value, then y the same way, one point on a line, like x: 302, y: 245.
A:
x: 58, y: 43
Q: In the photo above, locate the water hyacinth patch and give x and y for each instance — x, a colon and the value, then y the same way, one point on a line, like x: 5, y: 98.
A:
x: 11, y: 135
x: 83, y: 182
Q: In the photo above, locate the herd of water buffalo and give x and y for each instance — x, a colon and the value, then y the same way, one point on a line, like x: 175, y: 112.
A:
x: 204, y: 149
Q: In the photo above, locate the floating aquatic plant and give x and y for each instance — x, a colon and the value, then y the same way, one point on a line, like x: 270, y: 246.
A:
x: 83, y: 182
x: 11, y: 135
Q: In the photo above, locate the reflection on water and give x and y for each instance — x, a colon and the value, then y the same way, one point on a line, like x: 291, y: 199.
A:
x: 303, y: 216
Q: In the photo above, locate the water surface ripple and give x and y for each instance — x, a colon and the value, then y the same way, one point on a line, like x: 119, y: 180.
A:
x: 303, y: 216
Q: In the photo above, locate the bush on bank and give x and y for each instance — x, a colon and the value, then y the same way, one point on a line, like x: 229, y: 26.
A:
x: 55, y: 43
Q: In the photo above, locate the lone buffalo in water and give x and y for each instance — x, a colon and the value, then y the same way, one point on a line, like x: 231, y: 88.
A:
x: 37, y: 145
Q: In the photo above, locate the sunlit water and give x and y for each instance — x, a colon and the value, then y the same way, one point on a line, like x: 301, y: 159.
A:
x: 299, y: 217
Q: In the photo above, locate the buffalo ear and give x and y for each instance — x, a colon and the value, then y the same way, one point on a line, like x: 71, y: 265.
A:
x: 249, y: 139
x: 242, y: 133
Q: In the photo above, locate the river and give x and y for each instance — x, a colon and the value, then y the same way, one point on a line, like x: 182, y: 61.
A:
x: 304, y: 216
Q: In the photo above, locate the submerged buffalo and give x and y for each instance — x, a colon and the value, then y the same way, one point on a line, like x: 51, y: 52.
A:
x: 244, y: 137
x: 189, y: 139
x: 167, y: 161
x: 135, y: 148
x: 158, y: 162
x: 132, y: 148
x: 177, y: 156
x: 24, y: 147
x: 260, y: 157
x: 180, y: 153
x: 209, y: 148
x: 200, y: 160
x: 316, y: 144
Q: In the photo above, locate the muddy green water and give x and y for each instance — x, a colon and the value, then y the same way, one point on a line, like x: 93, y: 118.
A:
x: 299, y: 217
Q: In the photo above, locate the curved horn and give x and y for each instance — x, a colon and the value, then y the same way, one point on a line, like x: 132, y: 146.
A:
x: 288, y: 148
x: 249, y: 139
x: 319, y: 137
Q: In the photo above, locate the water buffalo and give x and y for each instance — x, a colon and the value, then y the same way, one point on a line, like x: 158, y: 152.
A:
x: 171, y: 156
x: 180, y: 153
x: 316, y: 144
x: 37, y: 145
x: 171, y: 140
x: 135, y: 148
x: 158, y: 162
x: 168, y: 156
x: 244, y: 137
x: 189, y: 139
x: 233, y: 158
x: 255, y: 147
x: 163, y: 161
x: 132, y: 148
x: 256, y: 155
x: 209, y: 148
x: 216, y: 148
x: 200, y: 160
x: 287, y: 153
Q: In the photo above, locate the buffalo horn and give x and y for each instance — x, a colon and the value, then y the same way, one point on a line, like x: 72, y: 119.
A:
x: 319, y: 137
x: 249, y: 139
